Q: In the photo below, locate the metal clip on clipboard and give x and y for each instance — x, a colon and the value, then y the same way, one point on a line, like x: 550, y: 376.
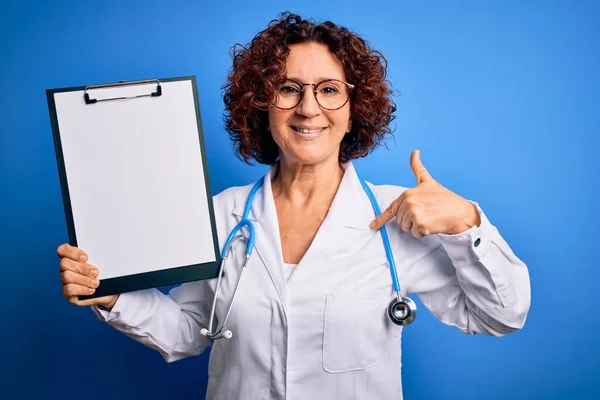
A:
x: 88, y: 100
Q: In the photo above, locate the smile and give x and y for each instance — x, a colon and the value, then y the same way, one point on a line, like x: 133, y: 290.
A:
x: 308, y: 132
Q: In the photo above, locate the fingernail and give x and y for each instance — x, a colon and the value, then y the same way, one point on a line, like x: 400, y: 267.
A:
x: 90, y: 290
x: 94, y: 273
x: 372, y: 225
x: 83, y: 257
x: 95, y: 282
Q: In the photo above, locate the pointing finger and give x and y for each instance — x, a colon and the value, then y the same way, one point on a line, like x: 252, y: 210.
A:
x: 418, y: 168
x: 388, y: 214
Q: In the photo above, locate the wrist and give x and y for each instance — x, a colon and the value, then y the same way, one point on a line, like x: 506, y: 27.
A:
x: 471, y: 218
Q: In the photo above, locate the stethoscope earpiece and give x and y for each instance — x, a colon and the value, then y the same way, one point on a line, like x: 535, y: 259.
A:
x: 402, y: 311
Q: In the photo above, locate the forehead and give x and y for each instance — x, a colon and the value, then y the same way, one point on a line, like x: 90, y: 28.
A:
x: 313, y: 62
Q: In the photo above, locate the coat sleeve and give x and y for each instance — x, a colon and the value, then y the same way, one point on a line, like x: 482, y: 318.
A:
x: 473, y: 281
x: 169, y: 323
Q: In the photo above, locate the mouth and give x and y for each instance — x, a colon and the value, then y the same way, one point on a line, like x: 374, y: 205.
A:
x: 308, y: 132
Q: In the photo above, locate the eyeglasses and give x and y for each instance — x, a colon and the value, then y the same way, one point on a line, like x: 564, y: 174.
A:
x: 331, y: 94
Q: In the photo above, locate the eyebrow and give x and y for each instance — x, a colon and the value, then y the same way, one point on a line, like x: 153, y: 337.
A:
x: 317, y: 81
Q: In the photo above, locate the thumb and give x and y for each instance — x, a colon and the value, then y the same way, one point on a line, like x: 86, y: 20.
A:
x: 418, y: 168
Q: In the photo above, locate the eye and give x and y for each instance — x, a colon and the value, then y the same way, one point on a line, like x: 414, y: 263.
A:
x: 329, y: 90
x: 289, y: 90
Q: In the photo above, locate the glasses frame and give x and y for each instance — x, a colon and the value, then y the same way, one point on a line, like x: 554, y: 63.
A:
x: 315, y: 92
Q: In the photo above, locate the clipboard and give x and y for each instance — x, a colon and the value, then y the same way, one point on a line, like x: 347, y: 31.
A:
x: 134, y: 180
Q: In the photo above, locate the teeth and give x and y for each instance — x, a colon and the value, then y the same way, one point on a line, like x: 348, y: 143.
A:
x: 309, y: 130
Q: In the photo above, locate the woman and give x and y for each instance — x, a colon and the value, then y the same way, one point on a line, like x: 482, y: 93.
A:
x: 309, y: 319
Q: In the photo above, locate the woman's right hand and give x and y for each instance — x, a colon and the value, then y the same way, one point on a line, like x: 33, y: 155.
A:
x: 80, y: 279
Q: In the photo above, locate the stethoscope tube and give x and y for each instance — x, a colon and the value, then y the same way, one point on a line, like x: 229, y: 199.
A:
x: 402, y: 310
x: 231, y: 240
x: 384, y: 236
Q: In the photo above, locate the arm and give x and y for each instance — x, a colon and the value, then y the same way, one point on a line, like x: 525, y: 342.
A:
x: 472, y: 279
x: 169, y: 323
x: 480, y: 286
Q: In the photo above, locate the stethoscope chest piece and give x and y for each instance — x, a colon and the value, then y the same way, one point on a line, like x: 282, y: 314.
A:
x: 402, y: 311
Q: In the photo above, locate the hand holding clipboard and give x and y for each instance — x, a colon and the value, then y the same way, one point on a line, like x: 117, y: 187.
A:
x: 81, y: 279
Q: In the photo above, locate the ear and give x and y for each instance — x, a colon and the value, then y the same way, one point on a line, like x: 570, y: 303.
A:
x: 349, y: 128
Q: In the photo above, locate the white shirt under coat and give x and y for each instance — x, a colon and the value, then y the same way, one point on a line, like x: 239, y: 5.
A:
x: 324, y: 333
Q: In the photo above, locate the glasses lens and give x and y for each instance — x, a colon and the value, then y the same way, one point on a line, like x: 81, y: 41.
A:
x: 288, y: 94
x: 332, y: 94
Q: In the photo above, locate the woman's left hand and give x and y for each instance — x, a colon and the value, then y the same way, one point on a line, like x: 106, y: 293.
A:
x: 429, y: 208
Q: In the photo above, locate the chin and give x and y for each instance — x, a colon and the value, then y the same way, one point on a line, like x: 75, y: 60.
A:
x: 307, y: 158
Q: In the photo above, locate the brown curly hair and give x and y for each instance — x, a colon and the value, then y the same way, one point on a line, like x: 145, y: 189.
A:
x: 259, y: 68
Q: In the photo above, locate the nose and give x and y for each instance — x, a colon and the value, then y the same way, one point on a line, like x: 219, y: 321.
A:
x: 308, y: 106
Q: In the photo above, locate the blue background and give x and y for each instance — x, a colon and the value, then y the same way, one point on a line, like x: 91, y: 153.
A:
x: 501, y: 97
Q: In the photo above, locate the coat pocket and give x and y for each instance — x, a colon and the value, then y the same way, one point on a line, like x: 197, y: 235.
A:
x: 354, y: 326
x: 218, y: 358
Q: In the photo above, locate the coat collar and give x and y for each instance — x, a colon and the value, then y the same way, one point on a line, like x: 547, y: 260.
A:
x: 350, y: 203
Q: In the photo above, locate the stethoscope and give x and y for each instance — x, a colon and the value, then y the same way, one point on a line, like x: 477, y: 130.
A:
x: 401, y: 310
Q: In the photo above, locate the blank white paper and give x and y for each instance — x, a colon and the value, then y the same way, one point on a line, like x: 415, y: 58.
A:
x: 136, y: 179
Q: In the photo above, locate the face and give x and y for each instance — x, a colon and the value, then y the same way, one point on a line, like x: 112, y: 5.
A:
x: 308, y: 134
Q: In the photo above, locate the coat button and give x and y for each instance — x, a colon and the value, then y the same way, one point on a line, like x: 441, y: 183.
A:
x: 477, y: 242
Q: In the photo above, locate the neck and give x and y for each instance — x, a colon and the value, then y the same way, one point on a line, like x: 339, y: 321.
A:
x: 305, y: 185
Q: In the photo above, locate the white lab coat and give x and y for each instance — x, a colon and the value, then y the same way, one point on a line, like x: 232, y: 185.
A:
x: 324, y: 334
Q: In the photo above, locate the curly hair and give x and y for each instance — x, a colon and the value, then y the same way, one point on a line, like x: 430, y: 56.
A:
x: 260, y: 67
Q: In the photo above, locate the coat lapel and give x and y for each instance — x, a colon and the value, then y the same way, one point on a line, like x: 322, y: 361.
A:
x: 268, y: 241
x: 350, y: 209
